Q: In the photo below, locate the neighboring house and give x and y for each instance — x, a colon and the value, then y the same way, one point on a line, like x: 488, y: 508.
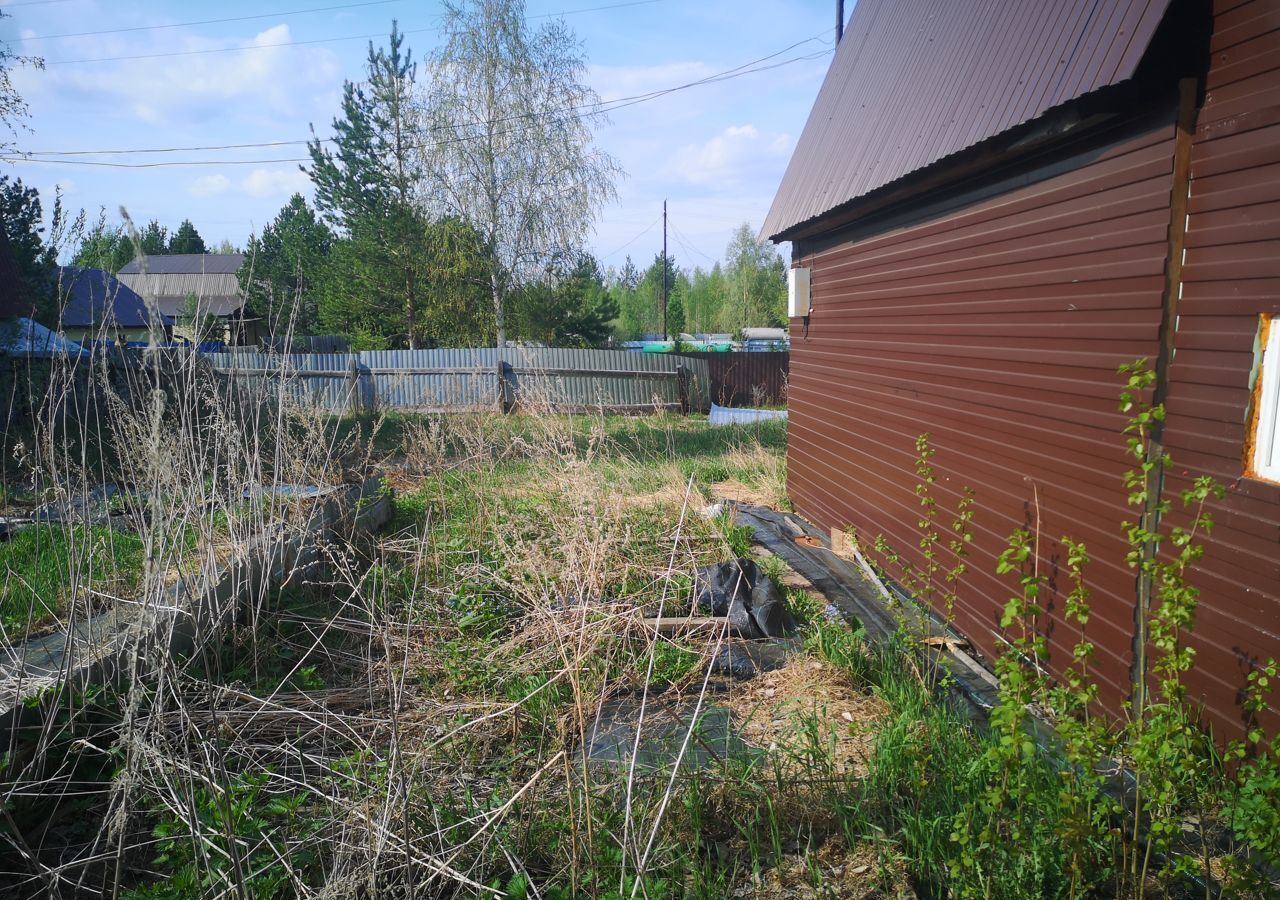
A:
x: 98, y: 307
x: 993, y: 207
x: 195, y: 286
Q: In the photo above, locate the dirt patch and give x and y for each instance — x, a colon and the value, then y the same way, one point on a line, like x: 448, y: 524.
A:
x: 833, y: 870
x: 669, y: 495
x: 807, y: 706
x: 745, y: 494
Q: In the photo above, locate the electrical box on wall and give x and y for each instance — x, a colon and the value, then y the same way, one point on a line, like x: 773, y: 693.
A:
x: 798, y: 291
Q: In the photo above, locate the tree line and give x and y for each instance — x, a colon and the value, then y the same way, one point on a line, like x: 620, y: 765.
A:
x: 452, y: 208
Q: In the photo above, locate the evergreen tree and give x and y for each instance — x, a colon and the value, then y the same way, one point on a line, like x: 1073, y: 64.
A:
x: 676, y: 322
x: 629, y: 277
x: 284, y: 267
x: 22, y: 217
x: 396, y: 278
x: 186, y: 239
x: 653, y: 295
x: 569, y: 307
x: 154, y: 239
x: 640, y: 309
x: 361, y: 296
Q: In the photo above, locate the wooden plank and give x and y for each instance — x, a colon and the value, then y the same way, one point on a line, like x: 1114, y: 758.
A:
x: 672, y: 625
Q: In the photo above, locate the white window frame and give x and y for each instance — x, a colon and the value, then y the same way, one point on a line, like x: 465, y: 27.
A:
x: 1266, y: 438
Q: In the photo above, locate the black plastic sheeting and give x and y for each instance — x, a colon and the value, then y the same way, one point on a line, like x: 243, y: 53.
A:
x: 738, y: 590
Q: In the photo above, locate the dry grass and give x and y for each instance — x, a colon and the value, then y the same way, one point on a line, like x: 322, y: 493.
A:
x: 785, y: 710
x: 833, y: 870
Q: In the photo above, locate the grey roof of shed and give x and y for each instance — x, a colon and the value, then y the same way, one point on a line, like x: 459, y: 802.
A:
x: 174, y: 306
x: 167, y: 281
x: 186, y: 264
x: 91, y: 296
x: 914, y: 81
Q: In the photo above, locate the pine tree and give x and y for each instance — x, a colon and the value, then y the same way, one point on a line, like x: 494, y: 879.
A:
x: 284, y: 267
x: 396, y: 278
x: 186, y: 240
x: 154, y: 239
x: 21, y: 215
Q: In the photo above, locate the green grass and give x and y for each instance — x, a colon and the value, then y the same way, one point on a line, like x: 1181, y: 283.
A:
x: 44, y: 567
x: 470, y: 605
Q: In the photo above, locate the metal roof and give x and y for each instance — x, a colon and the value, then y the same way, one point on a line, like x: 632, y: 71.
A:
x: 914, y: 81
x: 91, y: 296
x: 217, y: 293
x: 186, y: 264
x: 175, y: 306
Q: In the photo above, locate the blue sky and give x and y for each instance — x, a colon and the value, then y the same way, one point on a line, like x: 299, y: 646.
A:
x: 716, y: 152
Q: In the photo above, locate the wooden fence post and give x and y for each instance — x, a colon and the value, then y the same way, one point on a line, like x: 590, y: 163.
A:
x: 682, y: 379
x: 353, y: 377
x: 506, y: 398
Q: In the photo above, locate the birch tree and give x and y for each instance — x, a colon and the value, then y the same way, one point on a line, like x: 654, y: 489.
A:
x: 507, y: 127
x: 756, y: 279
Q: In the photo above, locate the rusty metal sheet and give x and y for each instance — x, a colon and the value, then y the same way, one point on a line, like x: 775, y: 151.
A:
x: 914, y: 82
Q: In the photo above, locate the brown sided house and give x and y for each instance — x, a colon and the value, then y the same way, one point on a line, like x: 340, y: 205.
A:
x: 996, y: 204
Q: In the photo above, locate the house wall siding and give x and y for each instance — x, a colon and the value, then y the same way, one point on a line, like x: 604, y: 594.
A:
x: 997, y: 329
x: 1231, y: 275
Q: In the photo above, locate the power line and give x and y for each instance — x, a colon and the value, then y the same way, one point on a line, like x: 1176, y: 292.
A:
x: 102, y: 164
x: 117, y: 152
x: 632, y: 241
x: 600, y: 106
x: 331, y: 40
x: 567, y: 12
x: 688, y: 245
x: 600, y: 109
x: 135, y: 56
x: 271, y: 15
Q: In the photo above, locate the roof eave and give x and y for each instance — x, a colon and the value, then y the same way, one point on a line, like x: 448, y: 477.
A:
x: 1059, y: 128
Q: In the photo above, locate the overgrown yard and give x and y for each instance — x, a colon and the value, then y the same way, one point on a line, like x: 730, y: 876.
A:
x: 485, y: 701
x: 38, y: 571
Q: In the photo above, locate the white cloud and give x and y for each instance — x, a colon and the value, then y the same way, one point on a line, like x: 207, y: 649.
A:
x: 261, y: 84
x: 275, y: 183
x: 735, y: 154
x: 209, y: 185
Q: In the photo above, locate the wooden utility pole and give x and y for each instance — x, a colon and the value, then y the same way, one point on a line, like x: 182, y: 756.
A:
x: 665, y: 333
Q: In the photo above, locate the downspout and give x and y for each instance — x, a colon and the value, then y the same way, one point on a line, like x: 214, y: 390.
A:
x: 1180, y: 195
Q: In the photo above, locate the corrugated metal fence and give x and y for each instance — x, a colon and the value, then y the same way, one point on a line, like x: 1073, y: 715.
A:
x: 442, y: 380
x: 746, y: 379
